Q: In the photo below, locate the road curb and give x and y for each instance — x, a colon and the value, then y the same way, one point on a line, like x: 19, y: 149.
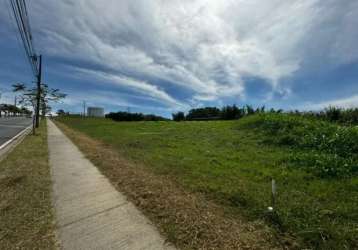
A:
x: 8, y: 146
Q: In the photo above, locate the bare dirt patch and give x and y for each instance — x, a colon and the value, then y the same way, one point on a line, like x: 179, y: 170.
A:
x: 188, y: 220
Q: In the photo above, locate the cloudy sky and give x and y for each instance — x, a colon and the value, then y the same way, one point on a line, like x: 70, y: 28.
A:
x: 160, y: 56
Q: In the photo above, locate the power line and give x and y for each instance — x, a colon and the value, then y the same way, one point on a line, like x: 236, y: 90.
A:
x: 22, y: 21
x: 23, y: 24
x: 24, y: 37
x: 13, y: 25
x: 29, y: 27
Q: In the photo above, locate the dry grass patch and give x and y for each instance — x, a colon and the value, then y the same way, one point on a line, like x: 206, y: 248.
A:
x: 26, y: 215
x: 187, y: 219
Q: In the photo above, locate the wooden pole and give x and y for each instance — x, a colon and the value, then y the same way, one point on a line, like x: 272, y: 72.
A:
x: 38, y: 96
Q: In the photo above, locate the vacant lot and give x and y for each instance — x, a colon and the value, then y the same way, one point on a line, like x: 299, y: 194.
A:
x: 26, y: 215
x: 232, y: 163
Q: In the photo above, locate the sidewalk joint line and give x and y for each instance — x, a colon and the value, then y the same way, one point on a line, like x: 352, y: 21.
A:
x: 93, y: 215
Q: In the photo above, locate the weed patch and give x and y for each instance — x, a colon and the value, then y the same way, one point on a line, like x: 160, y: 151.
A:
x: 325, y: 149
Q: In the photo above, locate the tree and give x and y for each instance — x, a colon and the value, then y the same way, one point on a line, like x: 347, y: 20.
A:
x: 28, y: 98
x: 207, y: 113
x: 126, y: 116
x: 47, y: 95
x: 249, y: 110
x: 333, y: 113
x: 60, y: 112
x: 179, y: 116
x: 231, y: 112
x: 12, y: 110
x: 25, y: 111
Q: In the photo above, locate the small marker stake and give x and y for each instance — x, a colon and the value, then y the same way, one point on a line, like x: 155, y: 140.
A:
x: 273, y: 193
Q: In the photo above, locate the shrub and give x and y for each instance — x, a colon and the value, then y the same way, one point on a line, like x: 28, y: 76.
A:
x: 333, y: 114
x: 323, y: 148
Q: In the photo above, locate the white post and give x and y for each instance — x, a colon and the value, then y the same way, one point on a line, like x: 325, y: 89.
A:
x: 273, y: 193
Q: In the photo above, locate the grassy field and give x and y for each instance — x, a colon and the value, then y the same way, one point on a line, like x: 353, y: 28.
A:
x: 26, y: 215
x: 232, y: 163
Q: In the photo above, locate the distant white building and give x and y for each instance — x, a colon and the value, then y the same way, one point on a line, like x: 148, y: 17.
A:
x: 95, y: 112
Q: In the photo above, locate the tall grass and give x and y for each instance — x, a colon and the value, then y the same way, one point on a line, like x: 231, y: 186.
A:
x: 340, y: 115
x: 233, y: 162
x: 322, y: 148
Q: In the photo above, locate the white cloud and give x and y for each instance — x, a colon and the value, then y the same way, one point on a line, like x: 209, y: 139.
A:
x: 348, y: 102
x: 75, y: 102
x: 6, y: 95
x: 206, y: 48
x: 136, y: 85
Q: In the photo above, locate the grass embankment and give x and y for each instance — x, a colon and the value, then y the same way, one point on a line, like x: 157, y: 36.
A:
x: 26, y: 216
x: 232, y: 163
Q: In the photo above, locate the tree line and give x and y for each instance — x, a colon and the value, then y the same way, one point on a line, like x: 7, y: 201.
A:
x: 333, y: 114
x: 126, y: 116
x: 12, y: 110
x: 232, y: 112
x: 213, y: 113
x: 347, y: 116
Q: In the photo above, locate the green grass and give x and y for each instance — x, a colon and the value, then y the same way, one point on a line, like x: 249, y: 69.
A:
x: 322, y: 148
x: 233, y: 162
x: 26, y: 215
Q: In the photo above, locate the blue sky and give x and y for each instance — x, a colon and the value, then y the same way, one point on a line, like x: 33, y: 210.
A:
x: 162, y: 56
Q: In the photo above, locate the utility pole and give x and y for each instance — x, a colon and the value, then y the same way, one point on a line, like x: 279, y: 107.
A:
x: 15, y: 104
x: 0, y: 106
x: 84, y: 109
x: 38, y: 96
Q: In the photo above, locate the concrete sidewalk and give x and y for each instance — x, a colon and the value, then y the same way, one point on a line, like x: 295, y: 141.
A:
x: 90, y: 213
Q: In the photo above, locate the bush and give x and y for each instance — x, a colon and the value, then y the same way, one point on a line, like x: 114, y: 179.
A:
x: 323, y: 148
x: 333, y: 114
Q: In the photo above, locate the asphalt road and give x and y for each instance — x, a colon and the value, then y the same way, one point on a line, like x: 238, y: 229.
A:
x: 11, y: 126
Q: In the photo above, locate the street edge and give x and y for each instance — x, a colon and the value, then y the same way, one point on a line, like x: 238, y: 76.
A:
x: 9, y: 145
